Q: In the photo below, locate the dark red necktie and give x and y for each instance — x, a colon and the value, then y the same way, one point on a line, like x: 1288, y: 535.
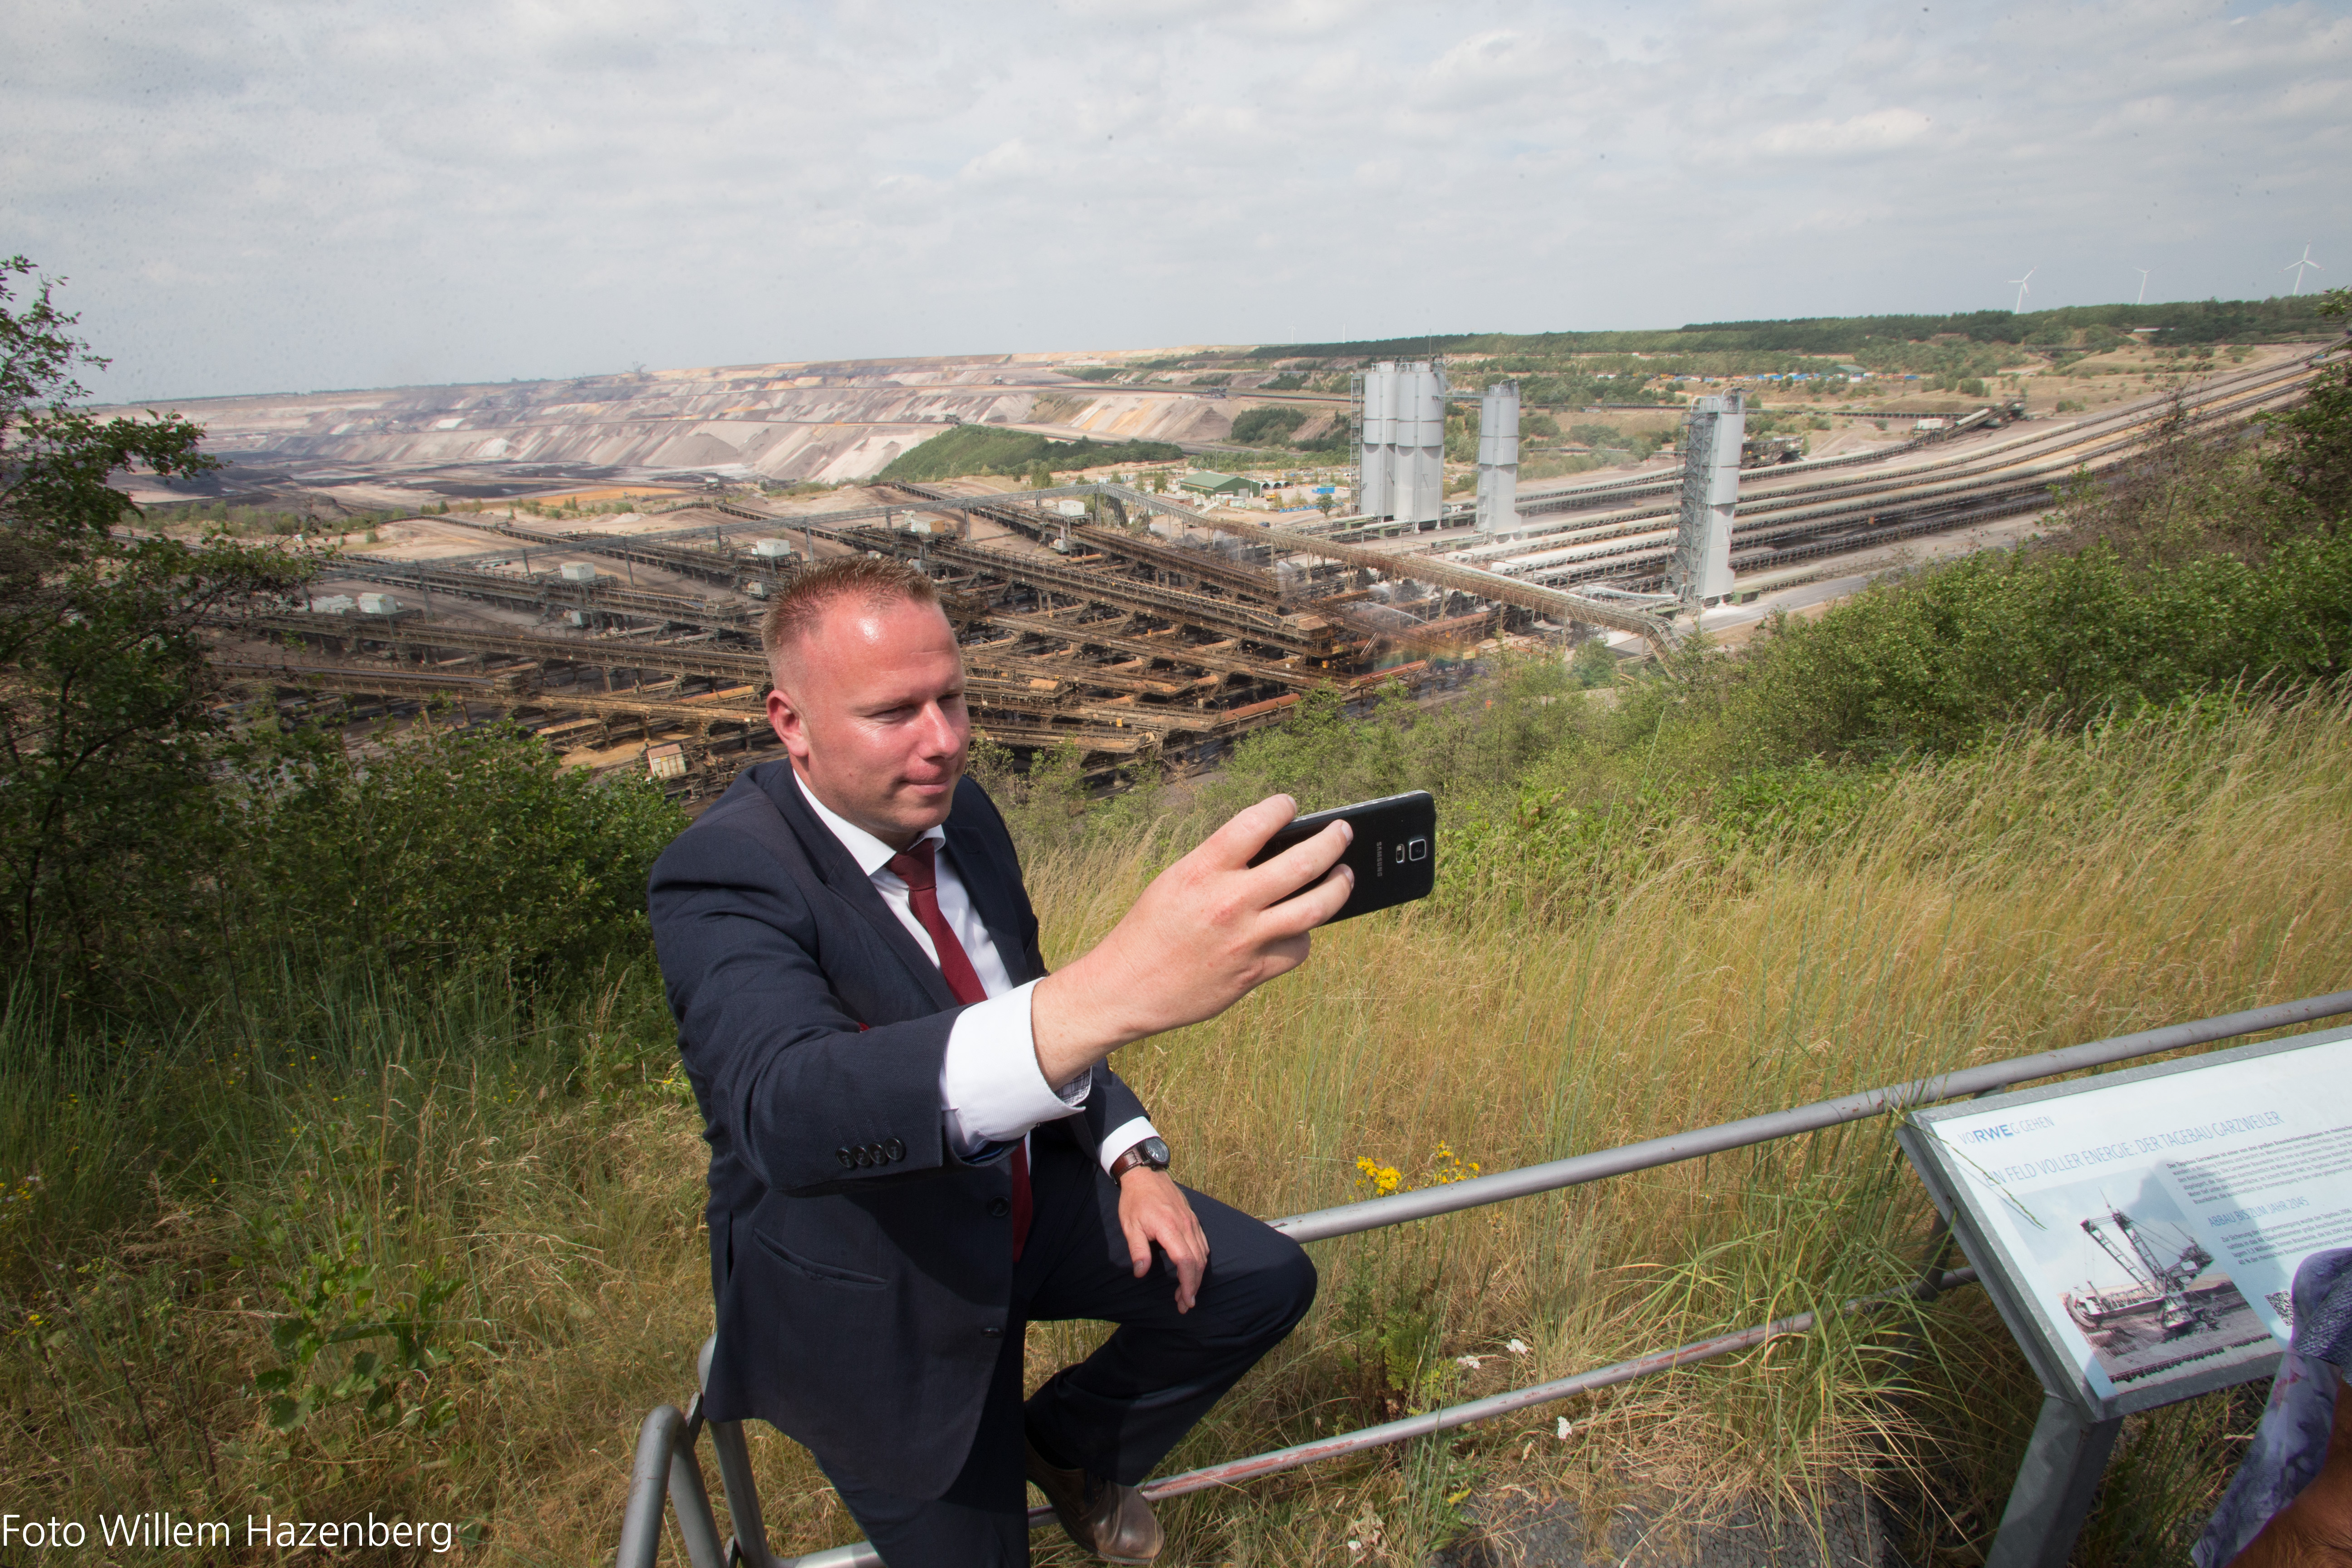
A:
x: 915, y: 869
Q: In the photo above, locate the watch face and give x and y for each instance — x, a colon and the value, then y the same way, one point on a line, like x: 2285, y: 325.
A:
x: 1156, y: 1151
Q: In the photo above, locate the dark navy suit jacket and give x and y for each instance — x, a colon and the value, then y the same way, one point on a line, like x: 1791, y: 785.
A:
x: 863, y: 1269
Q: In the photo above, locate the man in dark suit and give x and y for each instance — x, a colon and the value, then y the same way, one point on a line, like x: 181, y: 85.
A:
x: 917, y: 1143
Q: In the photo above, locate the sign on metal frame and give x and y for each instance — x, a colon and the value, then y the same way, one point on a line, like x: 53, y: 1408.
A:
x: 2139, y: 1232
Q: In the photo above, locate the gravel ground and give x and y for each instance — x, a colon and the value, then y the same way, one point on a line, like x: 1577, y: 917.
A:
x: 1516, y: 1531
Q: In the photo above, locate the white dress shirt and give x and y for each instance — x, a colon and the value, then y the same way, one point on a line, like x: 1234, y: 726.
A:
x: 991, y: 1089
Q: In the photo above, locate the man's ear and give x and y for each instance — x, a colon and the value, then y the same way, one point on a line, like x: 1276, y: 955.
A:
x: 784, y: 719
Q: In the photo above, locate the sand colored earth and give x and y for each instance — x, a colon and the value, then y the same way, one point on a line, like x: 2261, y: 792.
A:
x: 785, y: 422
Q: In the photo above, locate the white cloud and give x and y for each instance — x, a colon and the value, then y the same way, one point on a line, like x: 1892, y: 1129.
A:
x: 1881, y: 130
x: 274, y: 195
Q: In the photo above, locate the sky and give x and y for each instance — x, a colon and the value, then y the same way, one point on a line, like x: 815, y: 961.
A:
x: 266, y: 196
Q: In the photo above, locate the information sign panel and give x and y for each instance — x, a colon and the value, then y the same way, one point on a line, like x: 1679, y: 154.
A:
x: 2138, y: 1230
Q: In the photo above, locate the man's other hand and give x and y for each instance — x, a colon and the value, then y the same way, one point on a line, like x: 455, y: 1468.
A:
x: 1153, y: 1208
x: 1208, y: 929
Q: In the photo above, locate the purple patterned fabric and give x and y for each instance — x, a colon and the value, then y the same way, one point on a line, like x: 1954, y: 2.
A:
x: 2291, y: 1445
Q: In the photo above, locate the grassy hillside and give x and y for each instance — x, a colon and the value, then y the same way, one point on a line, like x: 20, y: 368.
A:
x: 497, y: 1188
x: 984, y: 449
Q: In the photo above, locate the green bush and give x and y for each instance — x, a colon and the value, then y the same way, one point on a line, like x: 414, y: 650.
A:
x: 1940, y: 661
x: 1608, y: 437
x: 1268, y: 426
x: 1593, y: 664
x: 2311, y: 468
x: 448, y: 850
x: 985, y: 449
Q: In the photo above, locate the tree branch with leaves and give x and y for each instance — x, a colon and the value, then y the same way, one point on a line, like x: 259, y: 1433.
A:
x: 108, y: 726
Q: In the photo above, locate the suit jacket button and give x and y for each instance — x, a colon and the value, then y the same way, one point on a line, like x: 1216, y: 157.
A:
x: 848, y: 1161
x: 998, y: 1208
x: 991, y: 1333
x: 895, y: 1149
x: 881, y: 1155
x: 861, y: 1157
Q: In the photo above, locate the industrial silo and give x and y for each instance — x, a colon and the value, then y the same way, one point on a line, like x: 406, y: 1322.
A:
x: 1498, y: 457
x: 1372, y: 441
x: 1700, y: 573
x: 1417, y: 444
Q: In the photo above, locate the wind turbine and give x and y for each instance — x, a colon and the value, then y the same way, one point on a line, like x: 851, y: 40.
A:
x: 2022, y: 288
x: 2143, y: 285
x: 2296, y: 266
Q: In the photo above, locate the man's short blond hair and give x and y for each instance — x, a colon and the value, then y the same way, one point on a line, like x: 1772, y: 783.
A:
x: 873, y: 580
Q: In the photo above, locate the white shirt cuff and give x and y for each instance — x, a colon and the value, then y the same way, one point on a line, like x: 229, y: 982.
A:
x: 989, y: 1082
x: 1126, y: 1136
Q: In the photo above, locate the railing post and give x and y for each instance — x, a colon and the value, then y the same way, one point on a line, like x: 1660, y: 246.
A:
x: 735, y: 1477
x: 742, y: 1494
x: 665, y: 1460
x: 641, y: 1525
x: 690, y: 1500
x: 2054, y: 1487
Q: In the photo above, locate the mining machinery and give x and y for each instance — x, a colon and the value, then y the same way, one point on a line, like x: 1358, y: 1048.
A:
x: 2159, y: 1292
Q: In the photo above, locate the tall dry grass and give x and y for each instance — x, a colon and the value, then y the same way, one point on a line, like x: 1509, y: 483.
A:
x: 2050, y: 891
x: 2043, y: 892
x: 337, y: 1163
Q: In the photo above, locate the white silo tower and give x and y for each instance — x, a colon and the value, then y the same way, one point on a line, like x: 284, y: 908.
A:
x: 1417, y: 442
x: 1372, y: 487
x: 1701, y: 569
x: 1498, y: 457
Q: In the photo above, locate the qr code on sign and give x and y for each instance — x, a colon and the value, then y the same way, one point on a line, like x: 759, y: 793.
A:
x: 2283, y: 1303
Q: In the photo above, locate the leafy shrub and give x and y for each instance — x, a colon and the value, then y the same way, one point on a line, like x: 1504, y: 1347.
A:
x: 449, y: 848
x: 1608, y: 437
x: 2312, y: 465
x: 1268, y: 426
x: 983, y: 449
x: 1940, y: 661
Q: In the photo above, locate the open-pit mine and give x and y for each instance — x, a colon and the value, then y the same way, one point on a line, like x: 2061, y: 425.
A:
x: 590, y: 558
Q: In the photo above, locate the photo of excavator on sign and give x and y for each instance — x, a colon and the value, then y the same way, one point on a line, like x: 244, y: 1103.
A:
x: 2176, y: 1308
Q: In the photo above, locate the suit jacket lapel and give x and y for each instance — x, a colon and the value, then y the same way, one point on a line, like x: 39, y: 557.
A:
x: 845, y: 881
x: 991, y: 893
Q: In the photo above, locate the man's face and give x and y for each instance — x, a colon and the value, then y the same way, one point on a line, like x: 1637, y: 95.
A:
x: 870, y: 708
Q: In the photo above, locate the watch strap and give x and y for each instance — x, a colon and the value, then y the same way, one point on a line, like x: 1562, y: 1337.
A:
x: 1133, y: 1157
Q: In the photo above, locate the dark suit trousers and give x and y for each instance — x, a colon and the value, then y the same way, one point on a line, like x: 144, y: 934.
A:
x: 1119, y: 1412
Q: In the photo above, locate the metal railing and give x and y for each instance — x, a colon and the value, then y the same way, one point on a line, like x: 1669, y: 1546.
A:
x: 665, y: 1447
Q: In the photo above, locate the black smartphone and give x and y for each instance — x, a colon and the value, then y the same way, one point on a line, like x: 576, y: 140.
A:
x: 1393, y: 854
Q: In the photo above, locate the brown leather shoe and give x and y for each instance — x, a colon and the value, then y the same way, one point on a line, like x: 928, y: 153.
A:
x: 1105, y: 1518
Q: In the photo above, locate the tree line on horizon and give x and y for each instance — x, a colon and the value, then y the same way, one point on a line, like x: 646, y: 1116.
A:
x: 2176, y: 323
